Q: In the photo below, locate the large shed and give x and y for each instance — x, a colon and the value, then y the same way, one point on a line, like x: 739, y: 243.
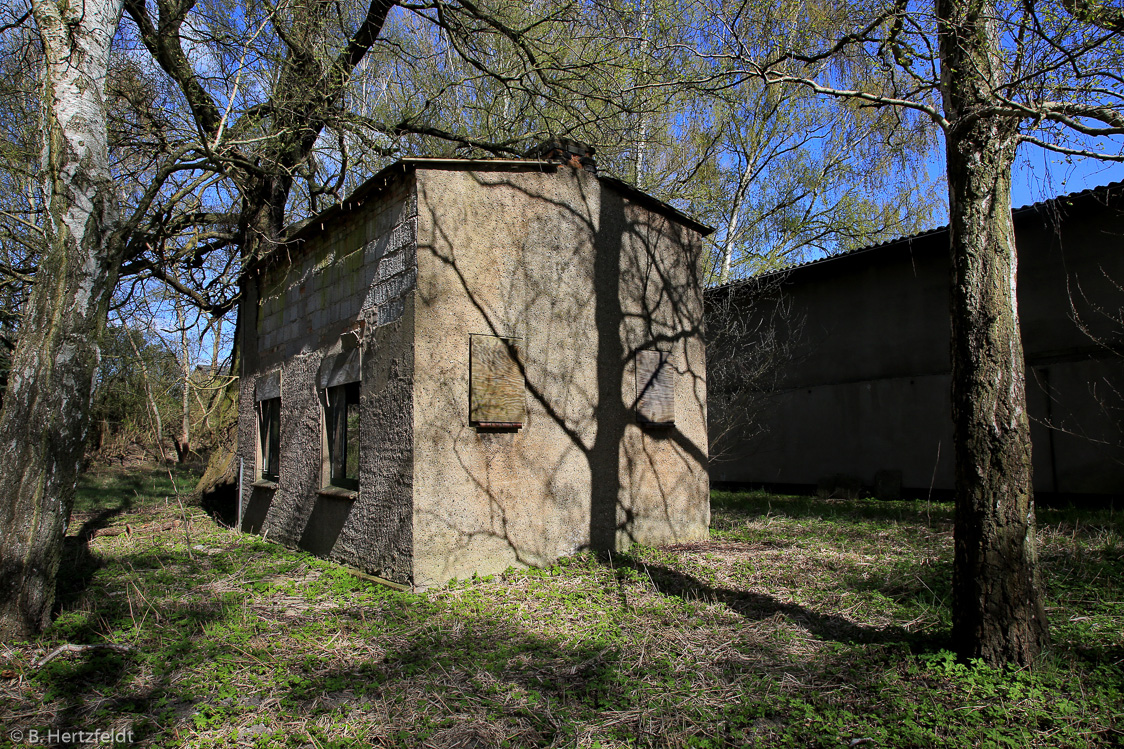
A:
x: 473, y: 364
x: 858, y: 393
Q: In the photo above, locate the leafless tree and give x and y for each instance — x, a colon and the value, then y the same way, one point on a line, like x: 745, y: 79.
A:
x: 751, y: 337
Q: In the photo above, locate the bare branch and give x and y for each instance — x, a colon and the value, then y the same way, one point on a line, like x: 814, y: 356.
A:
x: 1100, y: 155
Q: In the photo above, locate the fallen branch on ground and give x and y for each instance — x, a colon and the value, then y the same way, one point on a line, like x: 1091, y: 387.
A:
x: 68, y: 648
x: 129, y: 530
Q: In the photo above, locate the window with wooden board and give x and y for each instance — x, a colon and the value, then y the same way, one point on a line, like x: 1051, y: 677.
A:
x: 496, y: 386
x: 655, y: 388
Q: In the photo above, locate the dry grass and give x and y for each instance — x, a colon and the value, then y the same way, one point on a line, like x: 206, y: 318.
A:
x: 800, y: 623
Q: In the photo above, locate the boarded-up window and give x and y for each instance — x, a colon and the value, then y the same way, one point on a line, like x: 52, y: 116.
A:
x: 655, y: 388
x: 496, y: 396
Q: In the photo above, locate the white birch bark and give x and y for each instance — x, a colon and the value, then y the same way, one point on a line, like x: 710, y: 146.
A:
x: 735, y: 214
x: 45, y: 418
x: 183, y: 447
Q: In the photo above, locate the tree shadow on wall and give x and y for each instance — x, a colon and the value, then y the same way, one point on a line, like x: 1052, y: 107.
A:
x: 637, y: 279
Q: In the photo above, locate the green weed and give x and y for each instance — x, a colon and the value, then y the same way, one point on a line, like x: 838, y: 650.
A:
x: 801, y: 623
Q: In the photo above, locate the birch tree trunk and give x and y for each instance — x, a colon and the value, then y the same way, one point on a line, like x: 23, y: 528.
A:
x: 998, y: 613
x: 183, y: 444
x: 45, y: 418
x: 735, y: 215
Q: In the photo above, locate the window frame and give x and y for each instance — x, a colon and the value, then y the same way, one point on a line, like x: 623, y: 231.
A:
x: 269, y: 439
x: 338, y: 403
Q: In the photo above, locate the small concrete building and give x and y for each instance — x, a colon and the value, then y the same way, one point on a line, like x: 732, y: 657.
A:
x: 858, y: 391
x: 473, y: 364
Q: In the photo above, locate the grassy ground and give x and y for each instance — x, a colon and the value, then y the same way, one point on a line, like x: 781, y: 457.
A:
x: 802, y: 623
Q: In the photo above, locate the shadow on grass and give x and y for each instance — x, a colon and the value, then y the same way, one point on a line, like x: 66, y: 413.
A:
x: 138, y: 687
x: 78, y: 563
x: 758, y: 606
x: 447, y: 672
x: 101, y: 497
x: 482, y: 682
x: 144, y: 688
x: 911, y: 585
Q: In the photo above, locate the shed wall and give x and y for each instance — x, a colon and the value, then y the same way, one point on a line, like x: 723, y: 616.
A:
x: 356, y: 275
x: 585, y: 279
x: 865, y: 387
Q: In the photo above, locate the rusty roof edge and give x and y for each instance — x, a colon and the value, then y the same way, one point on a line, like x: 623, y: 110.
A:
x: 438, y: 161
x: 299, y: 231
x: 1022, y: 212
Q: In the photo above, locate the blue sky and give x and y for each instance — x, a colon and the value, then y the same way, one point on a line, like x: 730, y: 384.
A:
x: 1040, y: 175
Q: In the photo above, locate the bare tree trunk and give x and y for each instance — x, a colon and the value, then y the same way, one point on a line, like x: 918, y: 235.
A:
x: 183, y: 443
x: 308, y: 87
x: 998, y: 614
x: 735, y: 215
x: 155, y: 421
x: 643, y: 126
x: 46, y: 410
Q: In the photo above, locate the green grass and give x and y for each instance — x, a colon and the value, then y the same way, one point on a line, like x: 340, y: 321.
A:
x: 118, y: 489
x: 801, y: 623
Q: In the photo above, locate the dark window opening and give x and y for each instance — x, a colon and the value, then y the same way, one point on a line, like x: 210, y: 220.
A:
x: 343, y: 435
x: 269, y: 426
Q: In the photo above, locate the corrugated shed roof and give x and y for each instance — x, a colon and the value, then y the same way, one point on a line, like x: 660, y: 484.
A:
x: 1081, y: 199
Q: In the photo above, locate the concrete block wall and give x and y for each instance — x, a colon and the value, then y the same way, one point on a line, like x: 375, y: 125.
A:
x: 364, y: 261
x: 581, y: 274
x: 356, y: 273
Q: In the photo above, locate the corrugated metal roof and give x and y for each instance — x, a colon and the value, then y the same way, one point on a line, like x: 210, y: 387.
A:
x: 1069, y: 200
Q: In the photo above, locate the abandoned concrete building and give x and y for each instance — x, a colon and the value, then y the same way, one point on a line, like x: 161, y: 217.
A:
x: 473, y: 364
x: 857, y: 394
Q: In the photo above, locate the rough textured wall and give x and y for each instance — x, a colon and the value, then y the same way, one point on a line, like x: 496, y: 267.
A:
x: 663, y: 470
x: 382, y: 535
x: 360, y: 261
x: 545, y: 258
x: 355, y: 277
